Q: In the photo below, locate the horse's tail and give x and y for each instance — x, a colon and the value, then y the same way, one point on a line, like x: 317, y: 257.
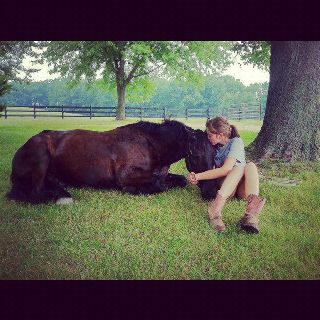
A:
x: 29, y: 172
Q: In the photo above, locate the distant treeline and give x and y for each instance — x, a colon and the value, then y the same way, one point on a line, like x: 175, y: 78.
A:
x: 218, y: 92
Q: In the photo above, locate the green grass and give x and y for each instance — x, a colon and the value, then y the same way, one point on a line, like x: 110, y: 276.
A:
x: 109, y: 235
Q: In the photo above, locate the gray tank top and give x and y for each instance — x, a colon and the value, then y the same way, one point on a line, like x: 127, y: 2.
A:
x: 233, y: 149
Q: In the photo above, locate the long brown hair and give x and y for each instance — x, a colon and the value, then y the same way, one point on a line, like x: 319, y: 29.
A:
x: 221, y: 125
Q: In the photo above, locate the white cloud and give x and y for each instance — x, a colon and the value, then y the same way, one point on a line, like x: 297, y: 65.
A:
x: 247, y: 74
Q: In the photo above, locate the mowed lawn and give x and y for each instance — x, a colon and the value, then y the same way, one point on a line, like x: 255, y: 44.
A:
x: 109, y: 235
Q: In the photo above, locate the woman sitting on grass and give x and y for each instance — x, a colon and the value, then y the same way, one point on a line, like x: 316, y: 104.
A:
x: 237, y: 177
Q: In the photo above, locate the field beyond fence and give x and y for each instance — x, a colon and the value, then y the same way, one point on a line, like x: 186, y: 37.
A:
x: 234, y: 112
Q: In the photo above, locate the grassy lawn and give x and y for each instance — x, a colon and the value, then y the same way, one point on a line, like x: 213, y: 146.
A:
x: 109, y: 235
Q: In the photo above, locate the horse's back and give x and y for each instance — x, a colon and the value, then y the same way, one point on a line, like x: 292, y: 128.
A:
x: 84, y: 157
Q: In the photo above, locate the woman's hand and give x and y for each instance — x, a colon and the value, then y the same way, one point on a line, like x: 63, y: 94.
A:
x: 192, y: 178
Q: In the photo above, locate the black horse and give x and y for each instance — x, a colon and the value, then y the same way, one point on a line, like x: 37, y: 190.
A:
x: 134, y: 158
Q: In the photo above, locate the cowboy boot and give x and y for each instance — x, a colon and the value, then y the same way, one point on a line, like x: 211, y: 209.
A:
x: 215, y: 217
x: 250, y: 221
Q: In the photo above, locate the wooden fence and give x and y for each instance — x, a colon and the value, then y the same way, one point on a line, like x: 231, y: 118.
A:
x: 234, y: 112
x: 244, y: 112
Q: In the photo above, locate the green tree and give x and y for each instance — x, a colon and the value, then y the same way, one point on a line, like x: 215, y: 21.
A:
x: 254, y: 52
x: 291, y: 127
x: 168, y: 93
x: 124, y: 63
x: 4, y: 84
x: 56, y: 92
x: 221, y: 92
x: 19, y: 95
x: 12, y: 54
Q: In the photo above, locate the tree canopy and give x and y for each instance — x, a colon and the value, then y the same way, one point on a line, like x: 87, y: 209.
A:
x: 121, y: 63
x: 256, y: 53
x: 12, y: 54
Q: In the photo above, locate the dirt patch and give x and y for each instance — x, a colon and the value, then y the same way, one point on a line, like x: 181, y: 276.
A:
x: 283, y: 182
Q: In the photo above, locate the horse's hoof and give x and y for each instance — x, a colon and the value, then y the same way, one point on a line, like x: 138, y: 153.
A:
x: 64, y: 201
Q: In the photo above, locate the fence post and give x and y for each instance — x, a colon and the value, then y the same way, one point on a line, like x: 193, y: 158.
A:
x: 164, y: 113
x: 5, y: 113
x: 90, y: 111
x: 34, y: 111
x: 140, y: 112
x: 186, y: 113
x: 62, y: 112
x: 239, y: 116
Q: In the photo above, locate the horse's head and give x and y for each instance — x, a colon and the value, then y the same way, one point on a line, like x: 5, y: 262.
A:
x: 200, y: 157
x: 201, y: 153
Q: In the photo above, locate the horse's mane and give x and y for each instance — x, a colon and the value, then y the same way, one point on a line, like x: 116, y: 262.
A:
x: 154, y: 128
x: 200, y: 134
x: 145, y: 126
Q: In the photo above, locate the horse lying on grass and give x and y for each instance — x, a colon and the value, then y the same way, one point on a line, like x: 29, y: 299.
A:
x: 134, y: 158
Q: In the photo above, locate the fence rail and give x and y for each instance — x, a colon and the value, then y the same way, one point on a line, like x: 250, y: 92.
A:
x: 234, y: 112
x: 245, y: 112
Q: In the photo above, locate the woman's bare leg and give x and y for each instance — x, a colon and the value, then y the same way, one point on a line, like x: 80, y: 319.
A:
x: 251, y: 179
x: 241, y: 189
x: 249, y: 183
x: 231, y: 181
x: 228, y: 189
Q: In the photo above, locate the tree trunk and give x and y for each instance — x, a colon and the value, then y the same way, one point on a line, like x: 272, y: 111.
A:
x: 291, y: 127
x: 121, y: 111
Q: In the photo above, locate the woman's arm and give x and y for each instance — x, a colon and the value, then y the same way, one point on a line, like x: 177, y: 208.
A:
x: 217, y: 173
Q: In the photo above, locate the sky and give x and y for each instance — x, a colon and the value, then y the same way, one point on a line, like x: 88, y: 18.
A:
x: 247, y: 74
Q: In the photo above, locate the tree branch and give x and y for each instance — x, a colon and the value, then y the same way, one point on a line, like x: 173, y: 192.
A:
x: 147, y: 72
x: 133, y: 70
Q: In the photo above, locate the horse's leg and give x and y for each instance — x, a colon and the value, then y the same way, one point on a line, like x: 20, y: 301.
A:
x: 163, y: 183
x: 175, y: 180
x: 144, y: 182
x: 45, y: 188
x: 138, y: 181
x: 56, y: 192
x: 209, y: 188
x: 143, y: 189
x: 29, y: 169
x: 30, y: 174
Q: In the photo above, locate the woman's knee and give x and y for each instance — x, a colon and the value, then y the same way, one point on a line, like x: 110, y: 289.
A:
x: 250, y: 166
x: 237, y: 170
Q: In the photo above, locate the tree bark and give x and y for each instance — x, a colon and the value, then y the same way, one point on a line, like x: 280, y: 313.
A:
x: 121, y: 88
x: 291, y: 127
x: 121, y: 111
